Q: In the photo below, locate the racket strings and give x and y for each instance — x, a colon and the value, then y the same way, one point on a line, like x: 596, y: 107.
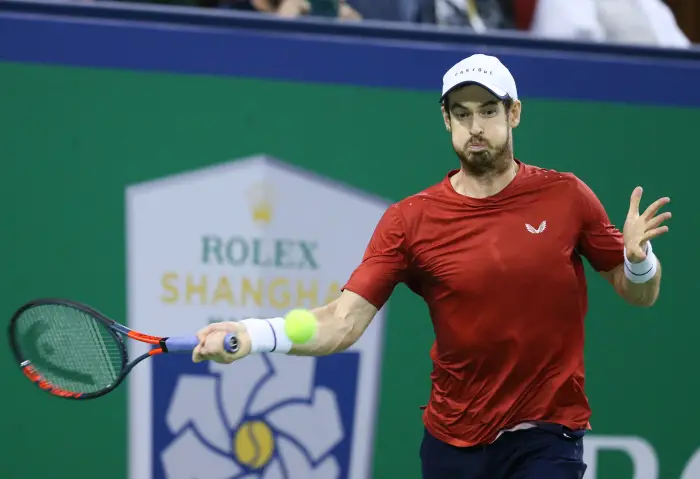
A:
x: 69, y: 348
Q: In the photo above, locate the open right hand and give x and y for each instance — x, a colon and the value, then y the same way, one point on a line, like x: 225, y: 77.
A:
x: 211, y: 343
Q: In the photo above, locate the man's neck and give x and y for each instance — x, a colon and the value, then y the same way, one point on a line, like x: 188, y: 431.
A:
x: 483, y: 186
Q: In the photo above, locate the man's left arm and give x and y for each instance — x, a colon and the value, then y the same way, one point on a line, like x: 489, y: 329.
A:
x: 635, y: 293
x: 638, y: 278
x: 625, y: 259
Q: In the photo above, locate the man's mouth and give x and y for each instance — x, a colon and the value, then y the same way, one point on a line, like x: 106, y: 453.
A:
x: 476, y: 146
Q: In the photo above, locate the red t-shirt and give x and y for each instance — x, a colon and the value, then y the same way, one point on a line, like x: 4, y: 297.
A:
x: 504, y: 283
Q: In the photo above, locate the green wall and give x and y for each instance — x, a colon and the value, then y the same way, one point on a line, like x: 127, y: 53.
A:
x: 72, y: 139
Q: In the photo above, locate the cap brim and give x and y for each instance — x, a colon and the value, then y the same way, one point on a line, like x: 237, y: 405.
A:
x: 498, y: 92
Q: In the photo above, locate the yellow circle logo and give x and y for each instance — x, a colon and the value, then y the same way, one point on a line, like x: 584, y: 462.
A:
x: 254, y: 444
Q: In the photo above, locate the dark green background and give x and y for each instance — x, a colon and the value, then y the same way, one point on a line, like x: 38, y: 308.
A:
x: 72, y: 139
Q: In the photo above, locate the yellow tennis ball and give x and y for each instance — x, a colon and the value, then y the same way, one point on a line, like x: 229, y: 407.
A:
x: 300, y: 325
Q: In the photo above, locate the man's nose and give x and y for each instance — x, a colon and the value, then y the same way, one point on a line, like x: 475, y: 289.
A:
x: 475, y: 127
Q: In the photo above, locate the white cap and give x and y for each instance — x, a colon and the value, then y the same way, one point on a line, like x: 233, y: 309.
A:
x: 484, y: 70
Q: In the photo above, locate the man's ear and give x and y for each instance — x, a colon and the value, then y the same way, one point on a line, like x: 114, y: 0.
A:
x: 514, y: 114
x: 446, y: 118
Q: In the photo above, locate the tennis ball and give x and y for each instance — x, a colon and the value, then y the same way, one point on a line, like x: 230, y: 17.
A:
x: 300, y: 325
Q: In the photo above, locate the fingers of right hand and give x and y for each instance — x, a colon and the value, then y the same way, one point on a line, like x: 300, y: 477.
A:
x: 212, y: 347
x: 197, y: 354
x: 204, y: 332
x: 224, y: 326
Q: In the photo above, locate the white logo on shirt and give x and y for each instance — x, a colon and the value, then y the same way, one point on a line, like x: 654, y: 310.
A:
x: 537, y: 231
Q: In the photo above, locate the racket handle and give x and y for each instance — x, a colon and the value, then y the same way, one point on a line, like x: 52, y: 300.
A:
x: 185, y: 344
x: 181, y: 344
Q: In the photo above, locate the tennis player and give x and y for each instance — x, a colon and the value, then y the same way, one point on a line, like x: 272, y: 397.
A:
x: 495, y: 249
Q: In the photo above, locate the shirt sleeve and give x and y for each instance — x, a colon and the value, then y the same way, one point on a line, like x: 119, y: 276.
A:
x: 600, y: 242
x: 384, y: 264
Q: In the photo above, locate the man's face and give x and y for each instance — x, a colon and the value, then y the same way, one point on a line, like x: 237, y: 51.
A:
x: 481, y: 129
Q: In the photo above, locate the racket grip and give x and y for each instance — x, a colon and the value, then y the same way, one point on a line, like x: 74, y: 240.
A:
x: 181, y: 344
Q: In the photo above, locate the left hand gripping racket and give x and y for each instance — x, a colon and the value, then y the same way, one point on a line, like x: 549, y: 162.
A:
x: 73, y: 351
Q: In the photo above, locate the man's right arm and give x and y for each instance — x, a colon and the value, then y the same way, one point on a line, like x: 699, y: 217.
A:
x: 341, y: 322
x: 340, y: 325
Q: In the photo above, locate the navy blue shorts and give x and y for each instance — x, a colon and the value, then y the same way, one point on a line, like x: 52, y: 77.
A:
x: 540, y: 453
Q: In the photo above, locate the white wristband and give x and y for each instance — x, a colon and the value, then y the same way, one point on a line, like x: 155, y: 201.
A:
x: 644, y: 271
x: 267, y: 335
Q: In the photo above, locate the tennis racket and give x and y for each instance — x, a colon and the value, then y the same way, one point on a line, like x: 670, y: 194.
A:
x: 72, y: 351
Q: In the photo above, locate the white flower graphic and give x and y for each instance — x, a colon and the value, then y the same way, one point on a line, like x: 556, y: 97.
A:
x: 259, y: 418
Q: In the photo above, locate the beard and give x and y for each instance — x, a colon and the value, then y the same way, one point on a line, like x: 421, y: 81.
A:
x: 490, y: 162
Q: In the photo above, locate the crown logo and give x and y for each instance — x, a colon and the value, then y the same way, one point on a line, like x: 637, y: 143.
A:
x: 261, y: 199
